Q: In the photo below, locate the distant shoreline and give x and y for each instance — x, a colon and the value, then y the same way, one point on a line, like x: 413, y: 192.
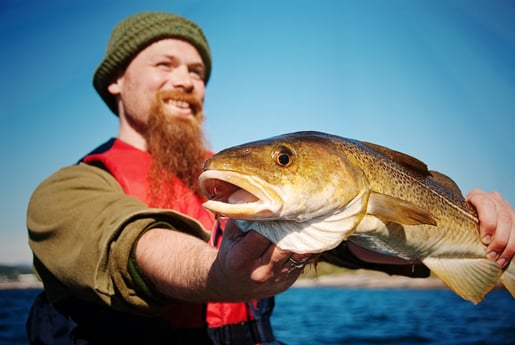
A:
x: 370, y: 279
x: 18, y: 285
x: 22, y: 281
x: 359, y: 278
x: 354, y: 279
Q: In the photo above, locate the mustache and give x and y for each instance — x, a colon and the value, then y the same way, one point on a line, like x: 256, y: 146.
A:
x: 193, y: 100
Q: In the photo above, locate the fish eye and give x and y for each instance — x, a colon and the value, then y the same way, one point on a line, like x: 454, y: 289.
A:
x: 283, y: 156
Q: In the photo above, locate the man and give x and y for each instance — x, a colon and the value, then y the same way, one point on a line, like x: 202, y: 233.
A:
x: 120, y: 239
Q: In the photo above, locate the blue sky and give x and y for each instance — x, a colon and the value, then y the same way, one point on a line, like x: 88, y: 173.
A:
x: 434, y: 79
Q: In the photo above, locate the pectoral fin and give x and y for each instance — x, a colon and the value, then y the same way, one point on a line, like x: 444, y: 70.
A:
x: 471, y: 279
x: 398, y: 211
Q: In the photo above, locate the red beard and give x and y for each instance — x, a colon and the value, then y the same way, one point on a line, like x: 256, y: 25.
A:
x: 177, y: 147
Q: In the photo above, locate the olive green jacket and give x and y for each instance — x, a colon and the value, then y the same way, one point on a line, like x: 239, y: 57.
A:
x: 82, y: 230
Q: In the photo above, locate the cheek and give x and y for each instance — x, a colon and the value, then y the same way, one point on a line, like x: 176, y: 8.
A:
x: 151, y: 84
x: 142, y: 91
x: 137, y: 102
x: 200, y: 90
x: 145, y: 80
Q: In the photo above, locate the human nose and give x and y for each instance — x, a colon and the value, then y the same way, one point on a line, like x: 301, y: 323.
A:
x: 181, y: 78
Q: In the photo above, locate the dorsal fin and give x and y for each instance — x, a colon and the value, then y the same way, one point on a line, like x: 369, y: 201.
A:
x: 450, y: 189
x: 415, y: 165
x: 446, y: 182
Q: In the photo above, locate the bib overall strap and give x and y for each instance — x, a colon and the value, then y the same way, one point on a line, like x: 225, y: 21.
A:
x: 255, y: 331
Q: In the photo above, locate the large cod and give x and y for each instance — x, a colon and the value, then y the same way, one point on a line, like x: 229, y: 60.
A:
x: 309, y: 191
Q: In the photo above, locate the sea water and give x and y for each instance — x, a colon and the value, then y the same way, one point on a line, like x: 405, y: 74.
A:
x: 307, y: 316
x: 392, y: 316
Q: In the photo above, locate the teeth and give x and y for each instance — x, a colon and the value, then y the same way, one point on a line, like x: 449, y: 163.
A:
x: 179, y: 104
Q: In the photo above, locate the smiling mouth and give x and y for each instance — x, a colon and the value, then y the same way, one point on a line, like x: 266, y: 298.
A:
x: 238, y: 196
x: 182, y: 107
x: 178, y: 104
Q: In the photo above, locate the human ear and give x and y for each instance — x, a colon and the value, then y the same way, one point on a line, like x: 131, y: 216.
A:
x: 115, y: 87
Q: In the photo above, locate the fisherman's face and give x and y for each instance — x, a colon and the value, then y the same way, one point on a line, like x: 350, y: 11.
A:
x: 160, y: 96
x: 171, y: 66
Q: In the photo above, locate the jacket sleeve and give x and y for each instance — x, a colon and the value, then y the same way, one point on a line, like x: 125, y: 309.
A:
x: 82, y: 229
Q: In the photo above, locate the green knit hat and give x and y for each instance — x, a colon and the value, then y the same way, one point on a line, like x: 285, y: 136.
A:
x: 134, y: 34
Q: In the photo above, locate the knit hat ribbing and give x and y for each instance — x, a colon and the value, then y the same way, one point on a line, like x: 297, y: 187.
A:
x: 134, y: 34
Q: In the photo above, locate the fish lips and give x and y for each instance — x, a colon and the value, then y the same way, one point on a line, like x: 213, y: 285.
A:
x: 240, y: 196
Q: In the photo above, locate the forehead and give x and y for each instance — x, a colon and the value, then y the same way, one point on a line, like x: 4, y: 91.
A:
x: 172, y: 47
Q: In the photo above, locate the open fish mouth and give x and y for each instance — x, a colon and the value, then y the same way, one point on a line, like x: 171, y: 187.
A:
x: 240, y: 196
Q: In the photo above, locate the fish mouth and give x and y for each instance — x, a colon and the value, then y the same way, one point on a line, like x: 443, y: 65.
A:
x: 240, y: 196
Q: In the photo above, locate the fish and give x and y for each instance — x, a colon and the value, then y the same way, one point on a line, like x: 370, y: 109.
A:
x: 309, y: 191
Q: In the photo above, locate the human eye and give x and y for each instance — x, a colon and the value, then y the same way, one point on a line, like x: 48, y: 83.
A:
x: 197, y: 72
x: 163, y: 64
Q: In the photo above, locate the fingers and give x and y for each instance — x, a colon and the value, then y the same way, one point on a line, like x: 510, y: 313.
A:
x: 253, y: 246
x: 298, y: 262
x: 271, y: 264
x: 276, y: 263
x: 496, y: 224
x: 253, y: 243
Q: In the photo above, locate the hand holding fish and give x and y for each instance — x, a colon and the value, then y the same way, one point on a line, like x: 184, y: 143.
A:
x: 251, y: 265
x: 496, y: 224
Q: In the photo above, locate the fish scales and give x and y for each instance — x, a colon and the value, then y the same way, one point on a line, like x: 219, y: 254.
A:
x: 388, y: 177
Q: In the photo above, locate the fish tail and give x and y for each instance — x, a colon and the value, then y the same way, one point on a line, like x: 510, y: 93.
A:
x: 508, y: 278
